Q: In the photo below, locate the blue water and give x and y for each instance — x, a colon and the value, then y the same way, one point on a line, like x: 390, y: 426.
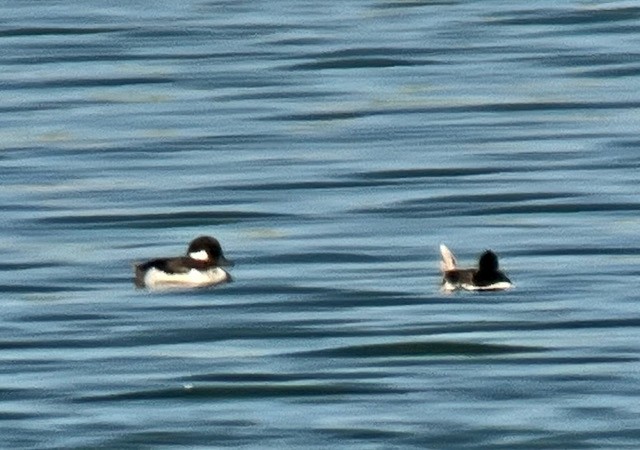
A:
x: 331, y: 147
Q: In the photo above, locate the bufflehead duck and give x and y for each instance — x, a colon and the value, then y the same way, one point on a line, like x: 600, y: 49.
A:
x: 199, y: 268
x: 486, y: 277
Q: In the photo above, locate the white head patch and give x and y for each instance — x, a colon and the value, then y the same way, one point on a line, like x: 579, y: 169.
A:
x: 201, y: 255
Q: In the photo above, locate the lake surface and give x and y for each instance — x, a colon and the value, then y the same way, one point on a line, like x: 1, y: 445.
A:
x: 331, y: 147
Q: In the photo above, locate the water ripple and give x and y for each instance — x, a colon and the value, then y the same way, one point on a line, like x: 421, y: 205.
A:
x: 566, y: 17
x: 156, y: 220
x: 246, y: 391
x: 421, y: 349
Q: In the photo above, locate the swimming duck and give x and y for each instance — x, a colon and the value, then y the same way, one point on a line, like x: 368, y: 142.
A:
x: 486, y: 277
x: 199, y: 268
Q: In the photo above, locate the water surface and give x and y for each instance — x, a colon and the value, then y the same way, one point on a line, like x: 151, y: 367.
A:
x: 330, y: 147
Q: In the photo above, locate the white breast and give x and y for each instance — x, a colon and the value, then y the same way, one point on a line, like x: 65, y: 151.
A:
x: 157, y: 279
x: 448, y: 287
x: 499, y: 286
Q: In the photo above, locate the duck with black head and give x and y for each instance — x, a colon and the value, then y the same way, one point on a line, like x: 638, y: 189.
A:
x: 487, y: 277
x: 200, y: 267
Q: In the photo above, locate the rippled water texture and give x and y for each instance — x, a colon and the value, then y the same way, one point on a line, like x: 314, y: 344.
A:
x: 331, y: 147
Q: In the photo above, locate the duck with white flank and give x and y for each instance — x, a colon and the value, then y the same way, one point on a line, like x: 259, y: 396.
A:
x: 199, y: 268
x: 486, y: 277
